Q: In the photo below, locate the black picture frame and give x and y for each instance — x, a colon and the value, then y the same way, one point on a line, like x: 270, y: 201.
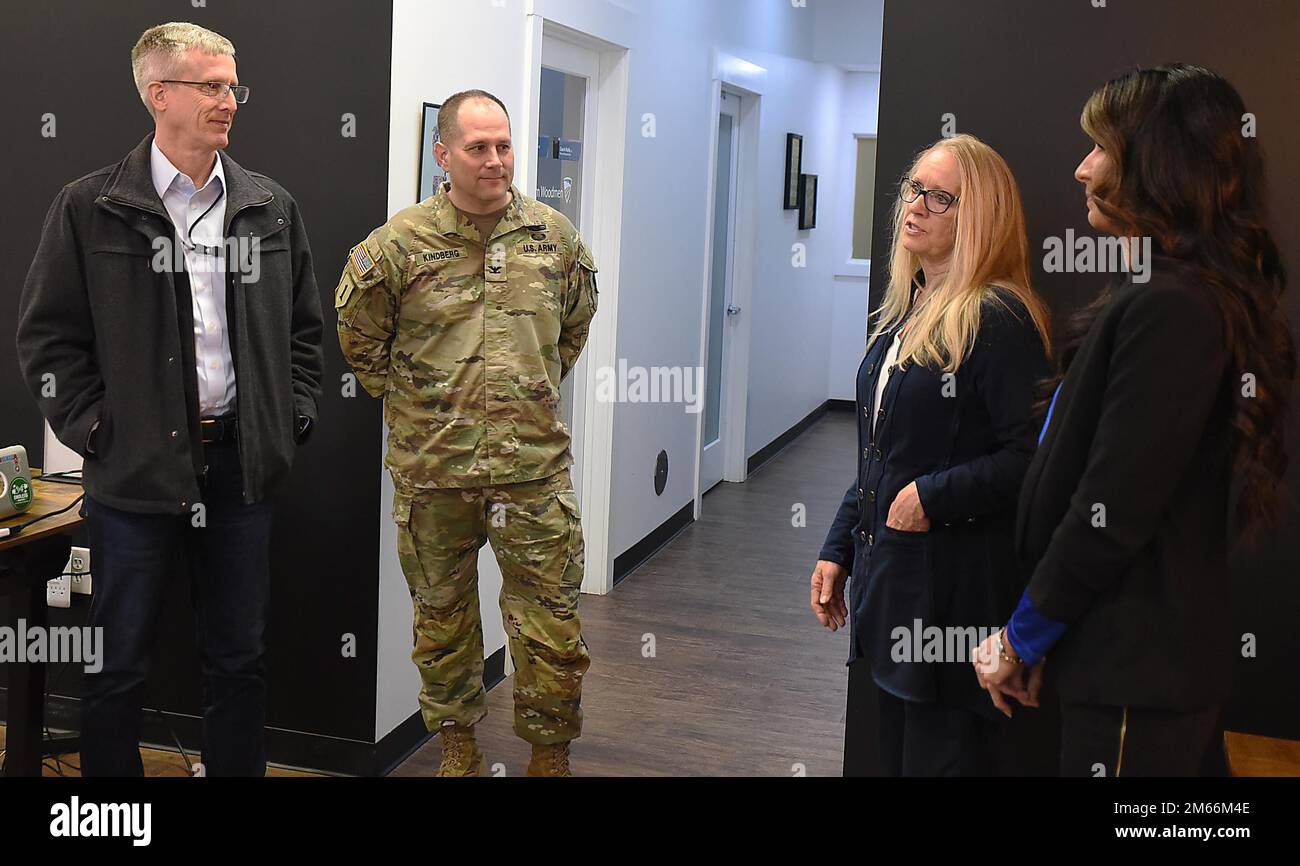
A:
x: 808, y: 201
x: 793, y: 170
x: 431, y: 174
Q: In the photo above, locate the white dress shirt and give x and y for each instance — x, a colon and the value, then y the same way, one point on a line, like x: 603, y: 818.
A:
x: 882, y: 378
x: 207, y: 273
x: 890, y: 361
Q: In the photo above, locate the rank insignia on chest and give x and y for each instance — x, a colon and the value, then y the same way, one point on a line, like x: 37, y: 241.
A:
x: 494, y: 272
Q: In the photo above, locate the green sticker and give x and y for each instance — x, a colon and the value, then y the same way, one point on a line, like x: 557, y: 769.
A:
x: 20, y: 493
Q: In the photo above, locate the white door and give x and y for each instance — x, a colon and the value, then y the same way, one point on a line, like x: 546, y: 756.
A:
x: 722, y: 312
x: 566, y: 145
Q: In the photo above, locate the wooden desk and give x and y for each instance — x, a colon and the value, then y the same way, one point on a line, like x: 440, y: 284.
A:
x: 49, y: 496
x: 27, y: 562
x: 1253, y: 755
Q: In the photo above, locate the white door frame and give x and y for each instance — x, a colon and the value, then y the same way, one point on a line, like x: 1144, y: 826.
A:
x: 748, y: 80
x: 602, y: 235
x: 713, y: 455
x: 580, y: 61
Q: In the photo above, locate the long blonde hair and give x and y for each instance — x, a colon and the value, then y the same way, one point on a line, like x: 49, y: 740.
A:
x: 991, y: 251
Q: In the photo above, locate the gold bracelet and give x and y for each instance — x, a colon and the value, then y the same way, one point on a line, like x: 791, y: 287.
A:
x: 1002, y: 650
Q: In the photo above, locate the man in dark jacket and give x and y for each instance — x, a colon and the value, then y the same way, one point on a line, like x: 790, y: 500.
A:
x: 170, y: 330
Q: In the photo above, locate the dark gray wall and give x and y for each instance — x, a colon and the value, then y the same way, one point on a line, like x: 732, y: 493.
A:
x: 308, y: 62
x: 1016, y: 73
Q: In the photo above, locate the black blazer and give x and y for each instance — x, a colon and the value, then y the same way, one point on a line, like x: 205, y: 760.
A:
x: 1122, y: 521
x: 967, y: 442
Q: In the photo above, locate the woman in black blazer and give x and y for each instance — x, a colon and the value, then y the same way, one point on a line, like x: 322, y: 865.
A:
x: 944, y: 397
x: 1174, y: 381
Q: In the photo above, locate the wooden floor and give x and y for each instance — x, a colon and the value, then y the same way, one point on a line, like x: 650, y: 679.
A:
x: 156, y: 763
x: 744, y: 681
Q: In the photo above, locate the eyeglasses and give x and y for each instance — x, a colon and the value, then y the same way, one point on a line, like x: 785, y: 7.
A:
x: 214, y: 89
x: 936, y: 200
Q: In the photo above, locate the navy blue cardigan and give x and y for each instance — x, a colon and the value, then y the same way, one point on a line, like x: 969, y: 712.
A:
x: 967, y: 440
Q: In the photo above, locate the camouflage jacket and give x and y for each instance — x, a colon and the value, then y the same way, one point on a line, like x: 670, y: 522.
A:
x: 467, y: 340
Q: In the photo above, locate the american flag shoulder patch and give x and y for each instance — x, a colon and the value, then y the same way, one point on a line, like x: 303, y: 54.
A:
x: 362, y: 263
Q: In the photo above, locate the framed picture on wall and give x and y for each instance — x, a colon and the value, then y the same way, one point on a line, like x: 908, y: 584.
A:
x: 431, y: 176
x: 793, y: 167
x: 808, y: 201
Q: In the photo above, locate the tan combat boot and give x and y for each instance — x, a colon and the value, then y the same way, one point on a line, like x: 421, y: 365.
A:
x: 460, y: 753
x: 550, y: 760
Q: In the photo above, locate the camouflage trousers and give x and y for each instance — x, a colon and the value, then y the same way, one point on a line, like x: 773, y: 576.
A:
x: 534, y: 530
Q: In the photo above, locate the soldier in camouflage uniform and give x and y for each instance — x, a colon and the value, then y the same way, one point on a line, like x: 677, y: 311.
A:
x: 464, y: 313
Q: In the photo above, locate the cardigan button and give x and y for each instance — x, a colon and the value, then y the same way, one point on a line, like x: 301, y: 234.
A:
x: 877, y: 453
x: 866, y: 453
x: 871, y: 368
x: 871, y: 495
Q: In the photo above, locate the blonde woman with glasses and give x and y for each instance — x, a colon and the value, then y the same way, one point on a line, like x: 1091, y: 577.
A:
x: 945, y: 434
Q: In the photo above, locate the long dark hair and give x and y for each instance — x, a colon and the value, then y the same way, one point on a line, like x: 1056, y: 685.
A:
x: 1183, y: 173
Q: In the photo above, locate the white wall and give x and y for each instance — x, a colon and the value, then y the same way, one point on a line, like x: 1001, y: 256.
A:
x: 791, y: 306
x: 859, y: 111
x: 441, y: 46
x: 791, y: 309
x: 665, y: 221
x: 849, y: 33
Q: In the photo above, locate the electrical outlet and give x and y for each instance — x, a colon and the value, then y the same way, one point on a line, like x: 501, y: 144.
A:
x: 79, y: 569
x: 58, y: 592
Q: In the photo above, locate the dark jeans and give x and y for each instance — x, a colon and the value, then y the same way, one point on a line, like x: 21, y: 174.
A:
x: 925, y: 739
x: 135, y: 558
x: 1134, y: 741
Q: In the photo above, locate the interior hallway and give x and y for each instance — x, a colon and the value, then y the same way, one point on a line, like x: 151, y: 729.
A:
x: 743, y: 681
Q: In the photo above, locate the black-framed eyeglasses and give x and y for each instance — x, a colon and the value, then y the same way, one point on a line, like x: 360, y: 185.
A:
x: 214, y: 89
x: 936, y: 200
